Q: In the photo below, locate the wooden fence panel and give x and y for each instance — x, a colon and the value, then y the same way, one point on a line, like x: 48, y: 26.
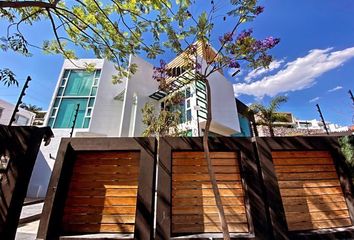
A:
x: 109, y: 186
x: 307, y: 186
x: 185, y: 198
x: 310, y: 205
x: 185, y: 202
x: 101, y: 186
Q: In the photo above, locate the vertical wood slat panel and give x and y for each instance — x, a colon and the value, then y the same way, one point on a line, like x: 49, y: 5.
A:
x: 310, y: 190
x: 192, y: 196
x: 102, y: 197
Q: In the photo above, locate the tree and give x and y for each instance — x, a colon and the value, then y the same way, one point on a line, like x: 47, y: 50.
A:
x: 268, y: 114
x: 235, y: 49
x: 116, y: 29
x: 165, y: 121
x: 111, y: 29
x: 32, y: 108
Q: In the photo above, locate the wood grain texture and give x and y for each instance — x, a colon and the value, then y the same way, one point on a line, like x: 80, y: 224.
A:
x: 193, y: 199
x: 102, y: 193
x: 310, y: 190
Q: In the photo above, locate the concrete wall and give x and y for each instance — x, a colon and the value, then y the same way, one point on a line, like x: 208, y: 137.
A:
x: 139, y: 87
x: 7, y: 111
x: 107, y: 112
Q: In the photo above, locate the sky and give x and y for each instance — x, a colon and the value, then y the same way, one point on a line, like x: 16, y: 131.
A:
x: 313, y: 63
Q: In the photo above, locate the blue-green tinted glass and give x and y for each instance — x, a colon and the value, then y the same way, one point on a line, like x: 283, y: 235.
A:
x: 56, y: 102
x: 98, y: 73
x: 87, y: 122
x: 50, y: 122
x: 189, y: 115
x: 79, y: 83
x: 94, y: 91
x: 66, y: 73
x: 66, y: 113
x: 60, y: 91
x: 91, y: 102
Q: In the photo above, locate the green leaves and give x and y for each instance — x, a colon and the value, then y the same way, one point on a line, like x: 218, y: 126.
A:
x: 8, y: 77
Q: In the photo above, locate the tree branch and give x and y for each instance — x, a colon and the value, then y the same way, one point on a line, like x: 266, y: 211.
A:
x: 24, y: 4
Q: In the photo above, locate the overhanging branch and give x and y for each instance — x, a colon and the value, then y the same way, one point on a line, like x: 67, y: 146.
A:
x: 24, y: 4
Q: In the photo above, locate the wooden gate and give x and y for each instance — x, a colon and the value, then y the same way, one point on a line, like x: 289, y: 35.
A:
x: 186, y: 204
x: 308, y: 187
x: 193, y: 204
x: 101, y: 186
x: 102, y: 193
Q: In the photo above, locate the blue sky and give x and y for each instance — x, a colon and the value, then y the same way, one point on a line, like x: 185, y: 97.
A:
x: 314, y: 62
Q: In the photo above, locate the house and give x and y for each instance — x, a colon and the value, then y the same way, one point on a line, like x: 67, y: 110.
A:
x: 114, y: 110
x: 22, y: 117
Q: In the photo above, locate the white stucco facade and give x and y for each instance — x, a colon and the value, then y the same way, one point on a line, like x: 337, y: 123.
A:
x: 23, y: 118
x: 117, y: 111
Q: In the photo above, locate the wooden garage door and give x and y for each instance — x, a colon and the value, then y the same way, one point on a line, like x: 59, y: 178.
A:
x: 102, y: 193
x: 193, y: 204
x: 310, y: 190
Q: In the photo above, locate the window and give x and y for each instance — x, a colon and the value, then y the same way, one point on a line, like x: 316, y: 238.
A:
x: 21, y: 120
x: 1, y: 110
x: 76, y: 87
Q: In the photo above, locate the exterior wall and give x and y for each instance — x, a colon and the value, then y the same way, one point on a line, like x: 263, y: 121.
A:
x: 224, y: 111
x: 107, y: 112
x: 7, y: 110
x: 138, y: 89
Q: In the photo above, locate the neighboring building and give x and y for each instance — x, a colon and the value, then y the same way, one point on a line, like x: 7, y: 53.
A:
x: 296, y: 127
x: 22, y: 117
x: 39, y: 119
x: 108, y: 110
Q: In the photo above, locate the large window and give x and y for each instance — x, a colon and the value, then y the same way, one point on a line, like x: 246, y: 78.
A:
x: 77, y: 87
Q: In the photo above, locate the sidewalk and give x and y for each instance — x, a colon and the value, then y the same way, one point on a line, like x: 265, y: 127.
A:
x: 29, y: 221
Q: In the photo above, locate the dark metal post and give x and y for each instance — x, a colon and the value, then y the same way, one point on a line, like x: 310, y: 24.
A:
x: 19, y: 101
x: 351, y: 95
x: 323, y: 121
x: 75, y: 117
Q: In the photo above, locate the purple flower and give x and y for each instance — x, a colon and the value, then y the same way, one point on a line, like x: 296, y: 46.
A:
x: 234, y: 64
x: 270, y: 42
x: 244, y: 34
x: 226, y: 38
x: 259, y: 10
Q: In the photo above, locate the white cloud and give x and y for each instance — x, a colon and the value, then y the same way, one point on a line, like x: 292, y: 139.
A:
x: 259, y: 71
x: 335, y: 89
x: 314, y: 99
x: 298, y: 74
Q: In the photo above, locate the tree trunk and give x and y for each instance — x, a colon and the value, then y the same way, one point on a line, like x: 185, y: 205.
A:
x: 271, y: 130
x: 216, y: 192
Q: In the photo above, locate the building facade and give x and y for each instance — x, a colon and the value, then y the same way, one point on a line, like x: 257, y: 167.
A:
x: 22, y: 117
x: 114, y: 110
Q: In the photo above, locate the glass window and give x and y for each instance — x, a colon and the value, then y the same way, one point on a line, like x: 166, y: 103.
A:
x: 56, y: 102
x: 98, y: 73
x: 63, y: 82
x: 189, y: 115
x: 87, y: 122
x: 91, y: 102
x: 79, y: 83
x: 54, y: 111
x: 66, y: 73
x: 66, y: 113
x: 60, y: 91
x: 21, y: 120
x: 89, y: 112
x: 94, y: 91
x: 95, y: 82
x: 50, y: 122
x: 188, y: 103
x: 188, y: 92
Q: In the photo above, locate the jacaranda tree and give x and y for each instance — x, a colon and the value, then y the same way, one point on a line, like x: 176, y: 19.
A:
x: 237, y: 47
